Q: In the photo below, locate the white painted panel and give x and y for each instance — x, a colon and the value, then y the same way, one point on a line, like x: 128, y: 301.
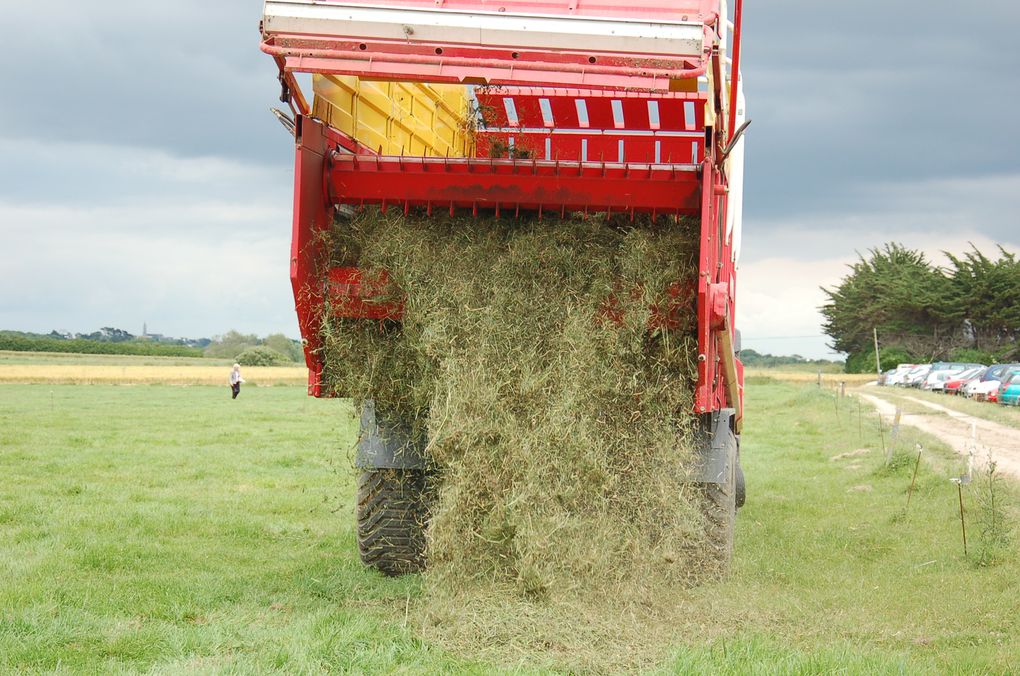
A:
x: 307, y: 17
x: 735, y: 171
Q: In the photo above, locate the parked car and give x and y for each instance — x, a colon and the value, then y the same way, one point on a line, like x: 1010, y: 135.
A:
x: 916, y: 376
x: 988, y: 387
x: 982, y: 390
x: 899, y: 373
x: 957, y: 383
x: 1009, y: 390
x: 955, y: 366
x: 935, y: 380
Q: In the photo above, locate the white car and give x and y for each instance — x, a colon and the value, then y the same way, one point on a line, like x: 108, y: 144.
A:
x: 896, y: 378
x: 980, y: 389
x: 936, y: 380
x: 916, y: 376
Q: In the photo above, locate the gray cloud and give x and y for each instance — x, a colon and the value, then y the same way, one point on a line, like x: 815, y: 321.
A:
x: 912, y: 212
x: 82, y: 174
x: 844, y: 94
x: 186, y: 77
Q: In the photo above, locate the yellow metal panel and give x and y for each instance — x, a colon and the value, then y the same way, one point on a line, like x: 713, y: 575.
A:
x: 397, y: 118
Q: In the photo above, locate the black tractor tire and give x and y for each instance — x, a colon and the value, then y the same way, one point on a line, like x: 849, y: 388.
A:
x: 741, y: 487
x: 393, y: 512
x: 719, y: 506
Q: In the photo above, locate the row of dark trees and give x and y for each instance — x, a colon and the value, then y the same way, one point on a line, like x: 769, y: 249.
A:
x: 273, y: 349
x: 18, y: 341
x: 967, y: 311
x: 110, y: 334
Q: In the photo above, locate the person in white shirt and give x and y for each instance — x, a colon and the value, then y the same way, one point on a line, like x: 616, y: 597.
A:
x: 235, y: 381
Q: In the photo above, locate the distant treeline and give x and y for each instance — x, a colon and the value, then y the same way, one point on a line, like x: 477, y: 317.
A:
x: 249, y: 350
x: 27, y: 343
x: 968, y: 311
x: 753, y: 359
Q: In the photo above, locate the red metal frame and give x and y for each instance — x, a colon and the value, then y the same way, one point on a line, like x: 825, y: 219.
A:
x: 412, y: 59
x: 716, y: 298
x: 313, y: 215
x: 619, y: 157
x: 674, y: 113
x: 592, y: 125
x: 738, y: 21
x: 512, y: 185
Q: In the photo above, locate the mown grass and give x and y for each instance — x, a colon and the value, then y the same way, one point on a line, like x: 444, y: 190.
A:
x: 11, y: 357
x: 170, y: 529
x: 70, y: 369
x: 67, y: 374
x: 832, y: 575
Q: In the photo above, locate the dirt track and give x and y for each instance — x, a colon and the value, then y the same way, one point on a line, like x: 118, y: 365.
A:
x: 955, y: 429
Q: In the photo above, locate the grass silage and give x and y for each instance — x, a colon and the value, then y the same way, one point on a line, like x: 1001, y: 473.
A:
x: 548, y: 366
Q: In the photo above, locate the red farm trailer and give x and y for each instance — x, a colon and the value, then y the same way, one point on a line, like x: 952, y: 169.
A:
x: 630, y: 107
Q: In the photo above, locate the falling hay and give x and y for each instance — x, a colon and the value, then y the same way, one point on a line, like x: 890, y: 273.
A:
x: 549, y: 366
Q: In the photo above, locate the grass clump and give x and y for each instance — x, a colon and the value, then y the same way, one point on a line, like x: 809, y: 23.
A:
x: 995, y: 525
x: 548, y: 366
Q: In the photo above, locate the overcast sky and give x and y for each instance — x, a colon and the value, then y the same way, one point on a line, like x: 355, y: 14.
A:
x: 142, y: 178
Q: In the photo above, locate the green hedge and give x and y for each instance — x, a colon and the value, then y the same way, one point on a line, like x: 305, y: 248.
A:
x: 260, y: 355
x: 80, y: 346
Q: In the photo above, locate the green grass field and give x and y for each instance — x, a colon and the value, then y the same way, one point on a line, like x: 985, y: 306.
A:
x: 172, y: 530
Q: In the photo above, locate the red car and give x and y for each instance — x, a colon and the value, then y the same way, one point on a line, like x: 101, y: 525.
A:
x: 954, y: 385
